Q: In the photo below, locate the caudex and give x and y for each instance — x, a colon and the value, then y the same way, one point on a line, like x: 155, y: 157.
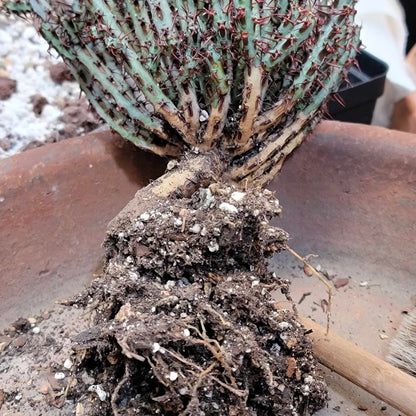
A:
x: 229, y: 88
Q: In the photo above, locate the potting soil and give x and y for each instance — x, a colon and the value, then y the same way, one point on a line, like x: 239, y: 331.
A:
x: 185, y: 320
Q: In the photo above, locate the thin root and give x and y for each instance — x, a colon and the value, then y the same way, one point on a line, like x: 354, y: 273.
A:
x: 125, y: 349
x: 321, y: 278
x: 118, y: 387
x: 212, y: 311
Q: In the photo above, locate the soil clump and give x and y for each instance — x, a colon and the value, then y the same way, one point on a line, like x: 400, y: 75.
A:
x: 186, y: 319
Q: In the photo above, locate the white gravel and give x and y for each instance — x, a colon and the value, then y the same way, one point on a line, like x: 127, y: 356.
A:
x: 24, y: 57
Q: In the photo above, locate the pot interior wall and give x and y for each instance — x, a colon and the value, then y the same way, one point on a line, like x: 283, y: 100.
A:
x: 55, y: 203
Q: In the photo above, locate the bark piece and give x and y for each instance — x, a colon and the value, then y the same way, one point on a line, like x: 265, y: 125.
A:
x: 60, y: 73
x: 7, y: 87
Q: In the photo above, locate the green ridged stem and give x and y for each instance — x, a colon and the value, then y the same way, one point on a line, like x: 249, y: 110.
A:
x: 181, y: 72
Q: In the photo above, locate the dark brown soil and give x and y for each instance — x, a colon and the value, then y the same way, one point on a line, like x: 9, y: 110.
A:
x: 187, y: 320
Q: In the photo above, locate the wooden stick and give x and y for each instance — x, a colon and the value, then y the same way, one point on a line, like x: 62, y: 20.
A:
x: 362, y: 368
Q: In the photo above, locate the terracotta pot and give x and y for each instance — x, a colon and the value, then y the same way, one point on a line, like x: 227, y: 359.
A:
x: 348, y: 195
x: 55, y: 203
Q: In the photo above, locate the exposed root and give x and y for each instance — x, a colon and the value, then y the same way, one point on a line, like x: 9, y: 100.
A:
x: 187, y: 314
x: 321, y: 278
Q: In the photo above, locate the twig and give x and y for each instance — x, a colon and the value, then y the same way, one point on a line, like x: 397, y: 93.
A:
x: 321, y: 278
x: 304, y: 296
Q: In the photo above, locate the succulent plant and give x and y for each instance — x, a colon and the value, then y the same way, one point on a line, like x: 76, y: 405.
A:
x: 248, y: 77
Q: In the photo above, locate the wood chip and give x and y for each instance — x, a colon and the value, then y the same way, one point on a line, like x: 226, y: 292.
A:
x: 341, y: 282
x: 291, y: 342
x: 4, y: 342
x: 124, y: 313
x: 79, y: 411
x: 291, y: 366
x: 56, y: 385
x: 20, y: 341
x: 44, y: 389
x: 112, y: 359
x: 307, y: 270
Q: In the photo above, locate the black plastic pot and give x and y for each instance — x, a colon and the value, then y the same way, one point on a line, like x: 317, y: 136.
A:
x: 359, y: 96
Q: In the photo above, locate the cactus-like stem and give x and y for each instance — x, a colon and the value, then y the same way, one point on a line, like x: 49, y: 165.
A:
x: 216, y: 122
x: 251, y: 104
x: 273, y: 116
x: 290, y: 139
x: 246, y: 77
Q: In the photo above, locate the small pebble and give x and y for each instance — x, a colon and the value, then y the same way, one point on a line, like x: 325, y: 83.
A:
x: 19, y: 341
x: 238, y: 196
x: 213, y: 246
x: 145, y: 216
x: 284, y: 325
x: 172, y: 164
x: 99, y: 391
x: 86, y: 378
x: 309, y: 379
x: 59, y: 376
x: 203, y: 116
x: 196, y: 229
x: 226, y: 207
x: 38, y: 102
x: 44, y: 389
x: 36, y: 330
x: 68, y: 363
x: 173, y: 375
